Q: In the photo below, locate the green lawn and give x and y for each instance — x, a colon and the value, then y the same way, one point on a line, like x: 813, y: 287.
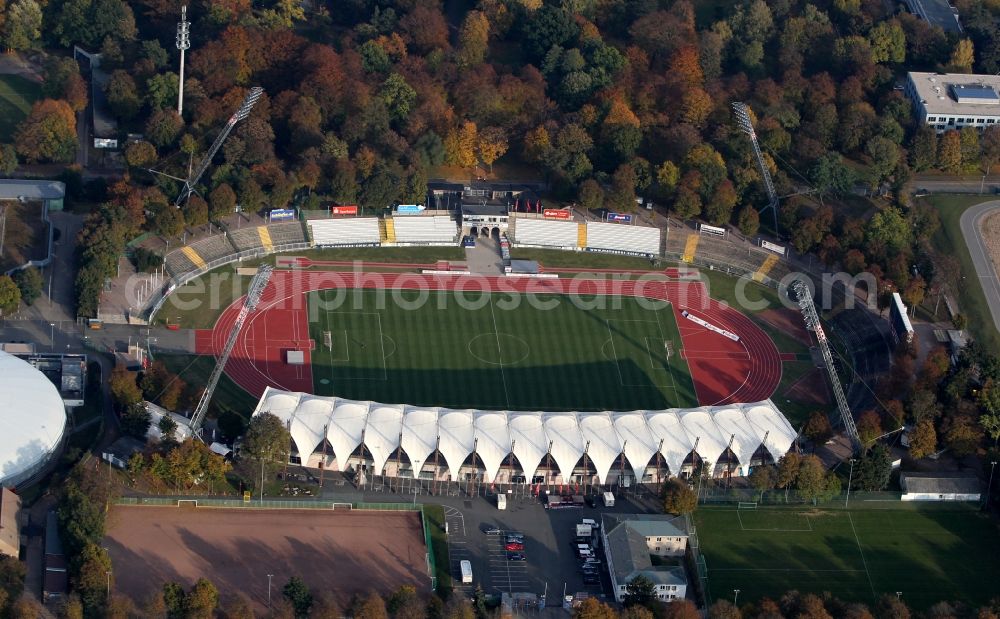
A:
x: 487, y: 354
x: 434, y: 516
x: 195, y: 370
x: 17, y: 95
x: 928, y: 555
x: 949, y: 241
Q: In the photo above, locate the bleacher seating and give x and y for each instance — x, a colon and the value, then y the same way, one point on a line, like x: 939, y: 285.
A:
x: 286, y: 233
x: 341, y: 232
x: 547, y: 233
x: 246, y: 238
x: 622, y: 237
x: 198, y: 254
x: 425, y: 229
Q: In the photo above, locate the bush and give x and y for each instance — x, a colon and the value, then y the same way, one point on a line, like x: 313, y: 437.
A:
x: 146, y: 261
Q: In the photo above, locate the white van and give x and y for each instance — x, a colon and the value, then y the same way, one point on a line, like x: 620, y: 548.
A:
x: 609, y: 499
x: 501, y: 501
x: 466, y: 572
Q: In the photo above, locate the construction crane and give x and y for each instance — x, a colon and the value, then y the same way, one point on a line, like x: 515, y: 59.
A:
x: 742, y: 111
x: 805, y: 300
x: 257, y: 285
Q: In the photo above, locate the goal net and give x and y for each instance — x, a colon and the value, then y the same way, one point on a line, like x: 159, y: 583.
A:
x: 743, y: 505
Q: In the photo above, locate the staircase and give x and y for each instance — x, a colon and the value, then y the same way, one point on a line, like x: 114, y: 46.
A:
x: 581, y: 235
x: 386, y: 231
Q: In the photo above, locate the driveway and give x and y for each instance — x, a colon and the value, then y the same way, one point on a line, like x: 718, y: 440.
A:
x: 970, y: 224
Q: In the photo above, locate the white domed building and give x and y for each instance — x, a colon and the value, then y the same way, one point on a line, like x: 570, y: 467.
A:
x: 32, y: 421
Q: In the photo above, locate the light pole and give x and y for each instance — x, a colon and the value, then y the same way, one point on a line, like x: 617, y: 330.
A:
x: 899, y: 595
x: 989, y: 486
x: 108, y: 574
x: 269, y: 576
x: 736, y: 596
x: 52, y: 336
x: 850, y: 478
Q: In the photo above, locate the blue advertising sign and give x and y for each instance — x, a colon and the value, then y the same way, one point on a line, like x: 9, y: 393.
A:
x: 409, y: 209
x: 282, y: 214
x: 622, y: 217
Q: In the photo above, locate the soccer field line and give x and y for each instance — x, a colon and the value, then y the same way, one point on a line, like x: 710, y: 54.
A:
x: 347, y: 349
x: 496, y: 332
x: 672, y: 385
x: 862, y: 552
x: 783, y: 569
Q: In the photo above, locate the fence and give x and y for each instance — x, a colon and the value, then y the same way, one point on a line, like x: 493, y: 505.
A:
x: 793, y: 500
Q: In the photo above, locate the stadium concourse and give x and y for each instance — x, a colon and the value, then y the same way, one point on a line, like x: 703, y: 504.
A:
x: 582, y: 444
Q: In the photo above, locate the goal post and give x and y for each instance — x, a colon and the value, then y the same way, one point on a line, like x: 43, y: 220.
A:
x: 187, y: 502
x: 746, y: 505
x: 347, y: 506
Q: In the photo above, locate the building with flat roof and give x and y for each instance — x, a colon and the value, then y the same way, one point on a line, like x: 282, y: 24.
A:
x: 55, y: 579
x: 938, y: 13
x: 939, y: 487
x: 51, y: 193
x: 631, y: 541
x: 954, y: 100
x: 10, y: 523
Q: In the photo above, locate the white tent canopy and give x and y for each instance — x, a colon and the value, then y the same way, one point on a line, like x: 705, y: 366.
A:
x: 494, y: 435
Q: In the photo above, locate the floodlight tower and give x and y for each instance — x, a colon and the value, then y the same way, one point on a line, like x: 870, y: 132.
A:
x: 742, y: 111
x: 183, y: 43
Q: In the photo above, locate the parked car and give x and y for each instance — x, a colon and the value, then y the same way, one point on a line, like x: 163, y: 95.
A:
x: 469, y: 241
x: 515, y: 537
x: 516, y: 556
x: 493, y: 531
x: 513, y: 546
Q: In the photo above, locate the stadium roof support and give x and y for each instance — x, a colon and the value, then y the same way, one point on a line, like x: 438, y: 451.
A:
x: 530, y: 436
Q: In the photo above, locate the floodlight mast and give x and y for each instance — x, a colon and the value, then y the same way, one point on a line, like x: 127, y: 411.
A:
x: 240, y: 114
x: 257, y: 285
x: 183, y: 44
x: 742, y: 111
x: 811, y: 317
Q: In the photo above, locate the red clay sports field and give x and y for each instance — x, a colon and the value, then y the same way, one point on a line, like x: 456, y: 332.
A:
x: 724, y: 371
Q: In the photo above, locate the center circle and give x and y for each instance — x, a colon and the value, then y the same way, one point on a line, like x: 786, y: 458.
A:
x: 512, y: 349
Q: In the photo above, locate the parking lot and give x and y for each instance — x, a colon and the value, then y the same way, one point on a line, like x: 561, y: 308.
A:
x: 550, y: 567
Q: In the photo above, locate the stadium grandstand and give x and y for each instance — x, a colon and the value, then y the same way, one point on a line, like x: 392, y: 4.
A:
x: 568, y: 447
x: 267, y: 238
x: 345, y: 232
x: 531, y: 232
x: 199, y: 254
x: 425, y: 229
x: 623, y: 239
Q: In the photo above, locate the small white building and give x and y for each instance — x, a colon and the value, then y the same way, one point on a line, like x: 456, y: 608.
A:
x: 631, y: 540
x: 939, y: 487
x: 949, y: 101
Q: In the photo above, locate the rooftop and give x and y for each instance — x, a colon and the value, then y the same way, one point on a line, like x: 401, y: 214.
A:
x: 940, y: 483
x: 630, y: 553
x: 958, y: 93
x: 937, y: 13
x: 13, y: 189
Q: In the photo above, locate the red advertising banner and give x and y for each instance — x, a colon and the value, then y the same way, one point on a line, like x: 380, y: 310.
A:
x: 552, y: 213
x: 344, y: 210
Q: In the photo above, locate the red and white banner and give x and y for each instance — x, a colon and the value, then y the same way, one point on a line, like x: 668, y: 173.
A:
x: 552, y: 213
x: 344, y: 210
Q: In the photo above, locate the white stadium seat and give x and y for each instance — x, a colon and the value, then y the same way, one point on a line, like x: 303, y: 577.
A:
x: 547, y: 233
x: 622, y: 237
x: 342, y: 232
x: 425, y: 229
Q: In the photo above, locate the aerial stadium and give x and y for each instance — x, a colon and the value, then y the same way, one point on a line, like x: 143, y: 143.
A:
x: 32, y: 421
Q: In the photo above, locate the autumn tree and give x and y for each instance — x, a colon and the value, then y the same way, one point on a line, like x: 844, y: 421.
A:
x: 678, y: 497
x: 748, y: 221
x: 23, y: 25
x: 222, y: 202
x: 763, y: 478
x: 492, y: 144
x: 163, y: 127
x: 962, y: 57
x: 591, y: 195
x: 10, y: 296
x: 788, y: 471
x: 473, y: 39
x: 48, y: 133
x: 720, y: 208
x: 140, y: 154
x: 592, y: 608
x: 63, y: 81
x: 817, y: 428
x: 122, y: 95
x: 460, y: 145
x: 91, y: 576
x: 949, y: 155
x: 869, y: 426
x: 923, y: 439
x: 369, y: 606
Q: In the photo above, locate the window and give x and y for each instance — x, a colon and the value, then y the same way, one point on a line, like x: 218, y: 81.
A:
x: 990, y: 121
x: 622, y: 588
x: 931, y: 119
x: 659, y: 539
x: 951, y: 121
x: 981, y: 121
x: 657, y: 549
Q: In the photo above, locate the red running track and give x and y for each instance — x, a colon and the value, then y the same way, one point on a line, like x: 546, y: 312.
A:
x: 724, y: 371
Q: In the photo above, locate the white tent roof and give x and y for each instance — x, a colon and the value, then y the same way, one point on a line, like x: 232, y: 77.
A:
x: 494, y: 435
x: 32, y: 419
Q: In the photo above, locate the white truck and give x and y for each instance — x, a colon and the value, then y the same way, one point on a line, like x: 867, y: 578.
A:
x: 609, y: 499
x: 466, y: 572
x: 501, y: 501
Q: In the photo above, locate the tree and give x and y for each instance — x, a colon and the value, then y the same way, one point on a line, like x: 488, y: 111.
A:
x: 817, y: 428
x: 688, y: 203
x: 720, y: 208
x: 680, y: 609
x: 788, y: 471
x: 240, y: 607
x: 923, y: 439
x: 962, y: 57
x: 398, y: 96
x: 71, y: 607
x: 369, y: 606
x: 592, y: 608
x: 696, y: 105
x: 135, y: 420
x: 473, y: 39
x: 122, y: 95
x: 167, y: 427
x: 549, y: 26
x: 267, y: 440
x: 8, y: 159
x: 48, y: 133
x: 678, y: 498
x: 26, y: 607
x: 884, y: 155
x: 140, y: 154
x: 91, y: 576
x: 874, y: 469
x: 222, y: 202
x: 763, y: 478
x: 749, y: 221
x: 869, y: 427
x: 124, y: 389
x: 667, y: 176
x: 924, y: 148
x: 23, y: 25
x: 163, y: 127
x: 492, y: 144
x: 196, y: 211
x: 201, y: 601
x: 591, y: 195
x: 10, y: 296
x: 962, y: 434
x: 460, y: 145
x: 888, y: 43
x: 991, y: 146
x: 949, y: 155
x: 298, y: 594
x: 640, y: 591
x: 969, y: 141
x: 891, y: 607
x: 811, y: 479
x: 889, y: 228
x: 29, y: 281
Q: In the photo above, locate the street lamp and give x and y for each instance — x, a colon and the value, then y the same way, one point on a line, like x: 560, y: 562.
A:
x: 52, y: 336
x: 850, y: 478
x: 899, y: 595
x: 989, y: 486
x: 108, y: 574
x: 736, y: 595
x: 269, y: 576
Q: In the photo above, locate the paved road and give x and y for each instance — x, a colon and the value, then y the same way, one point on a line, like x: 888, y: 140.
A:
x: 970, y: 224
x: 956, y: 184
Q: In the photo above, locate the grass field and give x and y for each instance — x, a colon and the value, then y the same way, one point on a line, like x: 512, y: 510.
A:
x: 17, y: 95
x: 949, y: 241
x: 928, y: 555
x: 490, y: 356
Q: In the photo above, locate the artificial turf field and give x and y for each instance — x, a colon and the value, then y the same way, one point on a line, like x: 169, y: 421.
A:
x: 928, y: 554
x: 485, y: 354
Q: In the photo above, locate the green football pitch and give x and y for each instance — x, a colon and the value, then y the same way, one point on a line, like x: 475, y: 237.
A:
x: 928, y: 555
x: 551, y: 355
